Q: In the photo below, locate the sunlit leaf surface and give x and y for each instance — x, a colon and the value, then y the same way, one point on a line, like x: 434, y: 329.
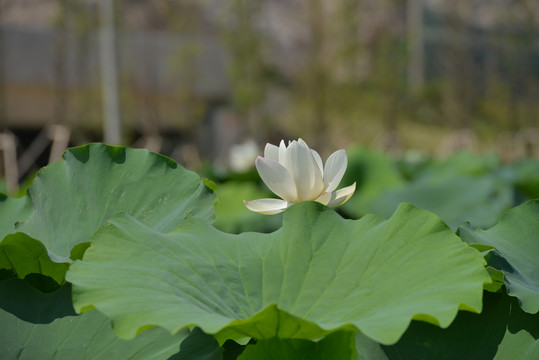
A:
x: 319, y: 273
x: 73, y: 198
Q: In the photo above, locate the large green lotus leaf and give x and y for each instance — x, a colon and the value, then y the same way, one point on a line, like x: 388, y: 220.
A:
x: 317, y: 274
x: 337, y: 346
x: 42, y: 326
x: 374, y: 173
x: 456, y: 200
x: 12, y: 210
x: 73, y: 198
x: 516, y: 240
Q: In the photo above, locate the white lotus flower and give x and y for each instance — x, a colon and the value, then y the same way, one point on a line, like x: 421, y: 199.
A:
x: 296, y: 173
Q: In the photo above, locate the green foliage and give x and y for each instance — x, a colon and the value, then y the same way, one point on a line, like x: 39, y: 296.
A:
x: 74, y: 197
x: 133, y: 231
x: 479, y: 200
x: 43, y: 326
x: 470, y: 336
x: 98, y: 181
x: 278, y: 284
x: 30, y: 305
x: 521, y: 338
x: 526, y: 177
x: 13, y: 210
x: 26, y: 255
x: 518, y: 346
x: 199, y: 346
x: 461, y: 163
x: 374, y: 174
x: 459, y: 189
x: 339, y: 345
x: 515, y: 252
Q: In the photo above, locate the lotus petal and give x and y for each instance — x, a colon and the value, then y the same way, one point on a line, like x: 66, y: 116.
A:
x: 336, y: 198
x: 306, y: 175
x: 318, y: 160
x: 334, y: 169
x: 267, y: 206
x: 277, y: 178
x: 271, y: 152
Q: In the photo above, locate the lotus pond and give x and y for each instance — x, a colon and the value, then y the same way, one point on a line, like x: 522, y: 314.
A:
x: 119, y: 253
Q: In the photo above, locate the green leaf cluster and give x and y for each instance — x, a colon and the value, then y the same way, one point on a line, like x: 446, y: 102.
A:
x: 43, y: 233
x: 119, y: 253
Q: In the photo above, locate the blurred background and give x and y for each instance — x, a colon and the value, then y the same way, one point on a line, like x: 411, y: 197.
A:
x: 211, y: 81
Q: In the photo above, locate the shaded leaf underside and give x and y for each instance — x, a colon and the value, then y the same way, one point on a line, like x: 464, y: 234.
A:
x: 36, y: 325
x: 86, y: 336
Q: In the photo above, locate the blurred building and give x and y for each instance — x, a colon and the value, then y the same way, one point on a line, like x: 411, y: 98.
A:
x: 215, y: 67
x: 51, y: 69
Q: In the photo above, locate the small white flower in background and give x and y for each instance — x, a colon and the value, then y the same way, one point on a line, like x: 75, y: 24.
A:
x: 240, y: 157
x: 295, y: 173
